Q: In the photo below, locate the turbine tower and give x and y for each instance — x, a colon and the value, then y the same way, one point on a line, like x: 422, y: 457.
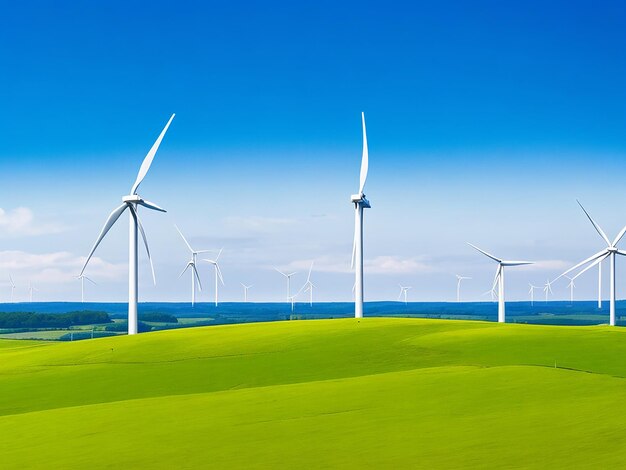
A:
x: 360, y: 203
x: 288, y: 276
x: 403, y: 291
x: 195, y: 277
x: 31, y: 288
x: 609, y: 252
x: 532, y: 293
x: 12, y: 287
x: 218, y: 272
x: 499, y: 279
x: 458, y: 286
x: 131, y: 203
x: 82, y: 278
x: 600, y: 284
x: 547, y: 288
x: 245, y: 291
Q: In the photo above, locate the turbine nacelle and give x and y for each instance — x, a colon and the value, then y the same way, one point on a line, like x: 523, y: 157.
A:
x: 360, y: 199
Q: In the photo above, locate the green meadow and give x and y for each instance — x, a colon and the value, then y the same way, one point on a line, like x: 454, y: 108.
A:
x: 375, y: 393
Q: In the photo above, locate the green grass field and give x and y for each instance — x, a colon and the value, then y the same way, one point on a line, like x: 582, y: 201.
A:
x: 379, y: 393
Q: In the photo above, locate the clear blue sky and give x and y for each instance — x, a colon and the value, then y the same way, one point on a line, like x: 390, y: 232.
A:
x: 486, y: 120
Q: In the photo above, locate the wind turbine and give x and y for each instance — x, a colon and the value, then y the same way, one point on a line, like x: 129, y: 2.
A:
x: 458, y: 286
x: 31, y: 288
x: 195, y: 277
x: 571, y: 286
x: 403, y: 291
x: 609, y: 252
x: 499, y: 279
x: 82, y: 278
x: 131, y: 203
x: 218, y: 272
x: 12, y: 287
x: 532, y: 293
x: 491, y: 292
x: 288, y: 276
x: 360, y: 203
x: 245, y: 291
x: 308, y: 285
x: 547, y: 288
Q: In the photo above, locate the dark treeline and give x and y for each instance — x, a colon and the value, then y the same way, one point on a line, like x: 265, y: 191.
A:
x: 55, y: 320
x: 158, y: 317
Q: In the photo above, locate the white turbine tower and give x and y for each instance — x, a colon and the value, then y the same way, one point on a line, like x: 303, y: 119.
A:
x: 12, y: 287
x: 571, y: 287
x: 403, y: 291
x: 547, y: 289
x: 218, y: 272
x: 245, y: 291
x: 360, y: 203
x: 532, y: 293
x: 600, y: 284
x: 82, y: 278
x: 609, y: 252
x: 131, y: 203
x: 459, y: 279
x: 499, y: 279
x: 195, y: 277
x: 31, y: 288
x: 288, y: 276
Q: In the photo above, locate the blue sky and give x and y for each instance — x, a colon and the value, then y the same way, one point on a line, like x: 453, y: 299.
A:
x: 485, y: 121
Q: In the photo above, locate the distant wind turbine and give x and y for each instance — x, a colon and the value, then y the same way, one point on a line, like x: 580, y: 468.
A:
x: 218, y: 272
x: 288, y: 276
x: 309, y: 286
x: 458, y: 286
x: 609, y: 252
x: 571, y: 287
x: 82, y: 278
x: 360, y: 203
x: 499, y: 279
x: 31, y: 288
x: 131, y: 203
x: 195, y: 277
x: 547, y: 289
x: 532, y: 293
x: 403, y: 291
x: 12, y: 287
x: 245, y: 291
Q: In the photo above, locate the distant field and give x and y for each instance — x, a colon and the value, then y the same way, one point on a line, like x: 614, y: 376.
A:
x: 375, y: 393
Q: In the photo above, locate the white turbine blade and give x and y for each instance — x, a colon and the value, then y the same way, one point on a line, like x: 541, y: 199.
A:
x: 364, y: 158
x: 516, y: 263
x: 621, y: 252
x: 107, y: 226
x: 291, y: 274
x: 495, y: 279
x: 218, y: 255
x: 595, y: 225
x: 203, y: 251
x: 11, y: 280
x: 485, y: 253
x: 195, y: 273
x: 219, y: 272
x: 277, y: 270
x: 185, y: 240
x: 147, y: 161
x: 619, y: 236
x: 596, y: 262
x: 308, y: 278
x: 356, y: 234
x: 145, y: 240
x: 185, y: 270
x: 150, y: 205
x: 591, y: 258
x: 93, y: 282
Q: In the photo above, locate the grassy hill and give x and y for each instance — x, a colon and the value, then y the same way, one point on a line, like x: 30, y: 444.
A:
x: 379, y: 393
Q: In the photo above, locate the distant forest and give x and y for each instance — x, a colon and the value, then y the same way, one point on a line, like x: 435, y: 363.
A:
x: 52, y: 320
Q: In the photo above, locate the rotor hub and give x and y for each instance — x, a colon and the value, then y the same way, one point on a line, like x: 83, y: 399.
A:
x: 132, y: 198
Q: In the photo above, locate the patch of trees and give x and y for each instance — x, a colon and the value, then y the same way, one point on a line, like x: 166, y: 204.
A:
x: 30, y: 320
x: 158, y: 317
x: 123, y: 326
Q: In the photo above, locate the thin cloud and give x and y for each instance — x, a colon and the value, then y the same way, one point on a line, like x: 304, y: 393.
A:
x: 21, y: 222
x: 378, y: 265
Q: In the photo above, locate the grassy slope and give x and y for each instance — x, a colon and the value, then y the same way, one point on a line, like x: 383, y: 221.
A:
x: 379, y: 393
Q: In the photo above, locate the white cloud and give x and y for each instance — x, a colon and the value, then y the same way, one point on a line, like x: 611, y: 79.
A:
x: 378, y: 265
x: 21, y: 221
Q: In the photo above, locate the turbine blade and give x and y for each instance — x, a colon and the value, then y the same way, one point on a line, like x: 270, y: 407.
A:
x: 278, y: 270
x: 596, y: 262
x: 591, y: 258
x: 107, y: 226
x: 308, y: 278
x: 619, y: 236
x: 145, y: 240
x: 495, y: 279
x: 184, y: 239
x: 218, y: 255
x: 151, y: 205
x: 184, y: 270
x: 364, y: 158
x: 595, y: 225
x: 195, y: 272
x: 485, y: 253
x: 147, y: 161
x: 93, y: 282
x: 516, y: 263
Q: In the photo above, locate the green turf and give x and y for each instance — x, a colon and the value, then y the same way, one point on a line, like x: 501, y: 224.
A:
x: 379, y: 393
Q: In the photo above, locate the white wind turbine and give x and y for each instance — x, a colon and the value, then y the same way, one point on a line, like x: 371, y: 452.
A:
x: 195, y: 277
x: 31, y: 288
x: 131, y: 203
x: 532, y: 293
x: 218, y: 272
x: 547, y: 289
x: 571, y: 287
x: 609, y: 252
x: 360, y: 203
x: 12, y: 287
x: 403, y: 291
x: 309, y: 286
x: 499, y: 279
x: 245, y: 291
x: 459, y: 279
x: 82, y: 278
x: 288, y: 276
